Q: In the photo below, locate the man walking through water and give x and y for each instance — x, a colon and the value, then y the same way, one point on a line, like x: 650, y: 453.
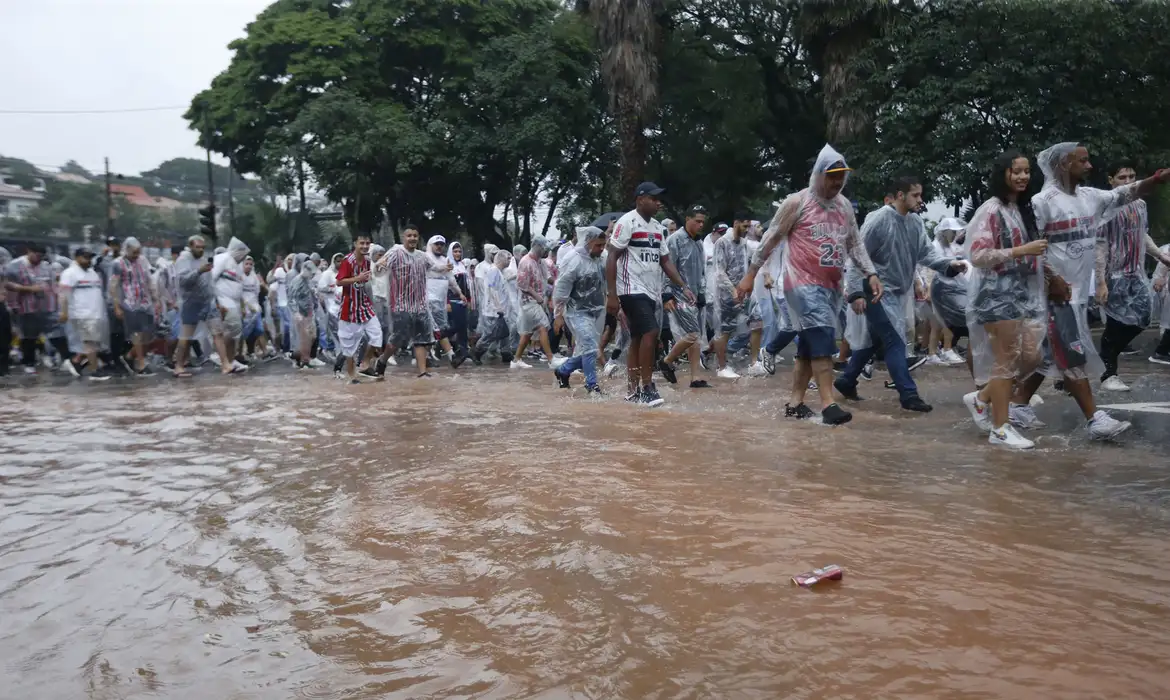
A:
x: 633, y: 271
x: 356, y: 317
x: 686, y: 250
x: 410, y: 315
x: 820, y: 228
x: 895, y: 240
x: 1068, y: 216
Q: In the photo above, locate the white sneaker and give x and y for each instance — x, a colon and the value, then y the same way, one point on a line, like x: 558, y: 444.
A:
x: 611, y: 368
x: 1114, y: 383
x: 557, y: 361
x: 813, y: 386
x: 1036, y: 400
x: 1024, y: 417
x: 1006, y: 436
x: 315, y: 363
x: 1105, y: 427
x: 980, y: 412
x: 935, y: 360
x: 67, y: 365
x: 392, y: 361
x: 727, y: 373
x: 520, y: 364
x: 238, y: 366
x: 214, y: 357
x: 757, y: 369
x: 952, y: 358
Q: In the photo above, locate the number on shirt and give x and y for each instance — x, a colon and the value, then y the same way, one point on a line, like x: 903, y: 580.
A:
x: 830, y: 255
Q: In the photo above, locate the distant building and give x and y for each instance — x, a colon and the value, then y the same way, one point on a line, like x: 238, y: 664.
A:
x: 136, y: 195
x: 16, y: 203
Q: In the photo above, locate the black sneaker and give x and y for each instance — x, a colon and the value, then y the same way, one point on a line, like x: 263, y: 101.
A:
x: 635, y: 397
x: 650, y: 396
x: 840, y: 366
x: 846, y: 391
x: 667, y: 371
x: 915, y: 361
x: 355, y: 380
x: 458, y: 358
x: 835, y: 415
x: 477, y: 357
x: 705, y: 360
x: 145, y: 372
x: 891, y: 385
x: 424, y: 374
x: 700, y: 384
x: 1129, y: 350
x: 380, y: 368
x: 867, y: 371
x: 594, y: 390
x: 800, y: 412
x: 506, y: 358
x: 769, y: 361
x: 370, y: 372
x: 101, y: 375
x: 915, y: 403
x: 562, y: 380
x: 1160, y: 358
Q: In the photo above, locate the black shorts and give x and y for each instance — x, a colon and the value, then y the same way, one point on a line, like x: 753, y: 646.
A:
x: 641, y: 313
x: 611, y: 322
x: 959, y: 332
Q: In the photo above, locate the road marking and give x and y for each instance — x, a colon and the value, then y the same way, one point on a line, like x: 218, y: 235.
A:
x: 1157, y: 407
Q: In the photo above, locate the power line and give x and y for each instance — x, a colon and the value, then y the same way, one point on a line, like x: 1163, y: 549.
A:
x: 92, y: 111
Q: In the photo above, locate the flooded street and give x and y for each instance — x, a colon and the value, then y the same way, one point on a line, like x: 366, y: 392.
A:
x: 491, y: 537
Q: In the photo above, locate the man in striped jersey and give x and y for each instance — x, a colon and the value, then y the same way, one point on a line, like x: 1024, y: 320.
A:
x: 410, y: 316
x: 356, y: 317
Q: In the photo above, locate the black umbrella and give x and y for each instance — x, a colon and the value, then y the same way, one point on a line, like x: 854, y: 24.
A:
x: 605, y: 219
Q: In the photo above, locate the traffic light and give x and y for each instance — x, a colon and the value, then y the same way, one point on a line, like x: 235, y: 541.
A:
x: 207, y: 221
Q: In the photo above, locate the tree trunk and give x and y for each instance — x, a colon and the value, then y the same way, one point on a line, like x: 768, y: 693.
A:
x: 845, y: 122
x: 632, y: 137
x: 553, y: 203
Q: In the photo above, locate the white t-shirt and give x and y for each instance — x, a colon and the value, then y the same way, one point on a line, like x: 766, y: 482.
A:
x: 639, y: 271
x: 86, y: 301
x: 281, y: 289
x: 329, y: 291
x: 228, y: 277
x: 251, y: 285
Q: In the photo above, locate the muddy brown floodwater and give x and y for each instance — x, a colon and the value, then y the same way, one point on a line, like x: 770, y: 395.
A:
x: 489, y: 537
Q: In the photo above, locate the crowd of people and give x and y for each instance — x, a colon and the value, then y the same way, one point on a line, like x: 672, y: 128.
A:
x: 1018, y: 282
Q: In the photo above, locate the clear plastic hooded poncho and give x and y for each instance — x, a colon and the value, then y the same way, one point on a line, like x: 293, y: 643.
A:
x: 480, y: 291
x: 731, y: 260
x: 192, y: 283
x: 1162, y: 298
x: 1122, y: 243
x: 821, y: 234
x: 227, y: 272
x: 1006, y: 313
x: 301, y: 291
x: 440, y: 278
x: 580, y: 291
x: 897, y: 245
x: 379, y: 278
x: 948, y: 295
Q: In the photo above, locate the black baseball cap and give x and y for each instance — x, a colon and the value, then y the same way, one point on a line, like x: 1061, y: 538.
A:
x: 83, y: 252
x: 696, y: 209
x: 647, y: 188
x: 113, y: 240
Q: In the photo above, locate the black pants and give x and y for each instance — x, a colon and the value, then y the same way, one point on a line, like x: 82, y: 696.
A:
x: 1164, y: 344
x: 5, y: 338
x: 1116, y: 336
x: 457, y: 326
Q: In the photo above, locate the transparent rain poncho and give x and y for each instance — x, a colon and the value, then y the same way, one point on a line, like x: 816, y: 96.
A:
x: 731, y: 260
x: 227, y: 272
x: 820, y: 233
x: 489, y: 257
x: 1006, y: 309
x: 580, y: 292
x: 1122, y: 247
x: 1069, y: 216
x: 948, y: 295
x: 301, y: 299
x: 897, y: 244
x: 1162, y: 298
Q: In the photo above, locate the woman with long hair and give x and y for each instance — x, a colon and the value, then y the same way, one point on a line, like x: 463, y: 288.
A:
x: 1006, y: 305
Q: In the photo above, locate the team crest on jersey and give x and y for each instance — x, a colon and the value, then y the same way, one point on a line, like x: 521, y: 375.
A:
x: 1077, y: 347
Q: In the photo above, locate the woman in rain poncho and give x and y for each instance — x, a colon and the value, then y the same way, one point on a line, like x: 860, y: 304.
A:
x: 896, y: 242
x: 329, y: 300
x: 1122, y: 246
x: 489, y: 261
x: 301, y: 303
x: 1161, y: 286
x: 1006, y: 308
x: 495, y: 310
x: 579, y: 301
x: 948, y: 295
x: 1069, y: 217
x: 441, y: 284
x: 820, y: 229
x: 459, y: 300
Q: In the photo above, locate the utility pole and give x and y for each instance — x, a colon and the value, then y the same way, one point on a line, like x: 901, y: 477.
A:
x: 231, y: 199
x: 109, y: 203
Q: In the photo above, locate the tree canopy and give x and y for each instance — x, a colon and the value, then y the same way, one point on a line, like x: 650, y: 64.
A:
x: 446, y: 112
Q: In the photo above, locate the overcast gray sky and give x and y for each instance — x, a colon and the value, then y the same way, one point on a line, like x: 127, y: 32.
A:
x: 106, y: 55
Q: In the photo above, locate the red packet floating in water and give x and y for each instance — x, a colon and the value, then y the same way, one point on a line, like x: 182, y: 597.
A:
x: 832, y: 572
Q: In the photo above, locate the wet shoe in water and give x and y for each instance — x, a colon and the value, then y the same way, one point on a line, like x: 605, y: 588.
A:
x: 635, y: 397
x: 727, y: 373
x: 845, y: 390
x: 667, y: 371
x: 369, y: 373
x: 700, y: 384
x: 562, y: 379
x: 1114, y: 383
x: 980, y: 412
x: 1159, y: 358
x: 1006, y: 436
x: 1105, y: 427
x: 800, y: 412
x: 835, y: 415
x: 650, y: 396
x: 1129, y: 350
x: 915, y: 361
x: 867, y: 371
x: 594, y: 391
x: 1024, y: 417
x: 915, y: 403
x: 768, y: 360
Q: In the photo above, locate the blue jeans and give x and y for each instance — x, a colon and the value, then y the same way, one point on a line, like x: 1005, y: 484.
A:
x: 285, y: 316
x: 882, y: 333
x: 738, y: 343
x: 587, y: 363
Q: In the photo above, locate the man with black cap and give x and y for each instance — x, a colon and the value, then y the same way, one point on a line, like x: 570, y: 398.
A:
x: 83, y: 307
x: 686, y: 250
x: 638, y: 257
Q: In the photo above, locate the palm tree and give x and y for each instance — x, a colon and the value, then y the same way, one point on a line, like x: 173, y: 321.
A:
x: 628, y: 34
x: 834, y: 32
